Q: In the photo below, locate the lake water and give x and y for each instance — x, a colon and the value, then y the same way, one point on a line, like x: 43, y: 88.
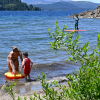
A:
x: 28, y: 31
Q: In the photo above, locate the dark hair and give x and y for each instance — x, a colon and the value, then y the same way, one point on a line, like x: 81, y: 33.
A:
x: 25, y: 54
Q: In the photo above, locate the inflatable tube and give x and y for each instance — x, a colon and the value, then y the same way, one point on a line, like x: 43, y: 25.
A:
x: 17, y: 75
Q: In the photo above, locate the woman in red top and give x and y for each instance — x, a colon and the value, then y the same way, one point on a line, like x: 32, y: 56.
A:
x: 26, y: 64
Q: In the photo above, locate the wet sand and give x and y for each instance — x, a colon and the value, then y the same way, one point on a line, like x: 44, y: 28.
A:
x: 27, y: 89
x: 40, y: 92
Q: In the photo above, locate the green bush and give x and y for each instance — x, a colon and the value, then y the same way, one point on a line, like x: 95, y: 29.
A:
x: 10, y: 90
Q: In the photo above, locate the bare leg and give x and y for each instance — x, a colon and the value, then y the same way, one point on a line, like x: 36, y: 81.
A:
x: 75, y: 27
x: 16, y: 64
x: 26, y: 78
x: 29, y: 77
x: 9, y: 66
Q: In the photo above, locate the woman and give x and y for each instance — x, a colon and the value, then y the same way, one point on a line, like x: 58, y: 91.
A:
x: 13, y: 59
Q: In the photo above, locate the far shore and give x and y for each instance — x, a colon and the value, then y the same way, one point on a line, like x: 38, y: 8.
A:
x: 89, y: 14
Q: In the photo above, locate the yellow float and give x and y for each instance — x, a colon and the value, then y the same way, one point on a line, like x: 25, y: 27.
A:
x: 17, y: 75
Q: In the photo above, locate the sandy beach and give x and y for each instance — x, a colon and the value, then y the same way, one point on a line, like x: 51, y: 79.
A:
x: 29, y: 92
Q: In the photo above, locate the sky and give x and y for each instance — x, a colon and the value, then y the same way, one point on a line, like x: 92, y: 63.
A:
x: 95, y: 1
x: 52, y: 1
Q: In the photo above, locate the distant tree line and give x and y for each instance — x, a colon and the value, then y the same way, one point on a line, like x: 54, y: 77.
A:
x: 16, y: 5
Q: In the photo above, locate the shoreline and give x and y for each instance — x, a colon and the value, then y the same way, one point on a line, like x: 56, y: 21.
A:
x: 26, y: 85
x: 40, y: 92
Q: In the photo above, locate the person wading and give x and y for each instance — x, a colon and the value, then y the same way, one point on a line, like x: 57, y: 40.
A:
x: 12, y: 59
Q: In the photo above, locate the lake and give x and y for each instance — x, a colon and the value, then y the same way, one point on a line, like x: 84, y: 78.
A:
x: 28, y: 31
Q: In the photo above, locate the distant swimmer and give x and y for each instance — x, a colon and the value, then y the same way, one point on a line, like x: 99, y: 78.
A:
x: 76, y: 21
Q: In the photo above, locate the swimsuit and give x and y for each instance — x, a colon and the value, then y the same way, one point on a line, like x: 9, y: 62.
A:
x: 14, y: 57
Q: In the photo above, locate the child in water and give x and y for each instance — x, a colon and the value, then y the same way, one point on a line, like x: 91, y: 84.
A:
x: 26, y: 64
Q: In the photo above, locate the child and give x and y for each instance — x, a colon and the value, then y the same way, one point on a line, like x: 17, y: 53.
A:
x: 26, y: 64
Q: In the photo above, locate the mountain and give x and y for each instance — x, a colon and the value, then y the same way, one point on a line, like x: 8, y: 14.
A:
x: 85, y: 4
x: 57, y: 6
x: 69, y: 5
x: 42, y: 1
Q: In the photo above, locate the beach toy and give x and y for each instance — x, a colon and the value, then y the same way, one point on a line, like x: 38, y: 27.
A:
x: 17, y: 75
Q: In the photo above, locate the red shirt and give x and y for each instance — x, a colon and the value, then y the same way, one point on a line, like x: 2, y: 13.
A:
x: 27, y: 64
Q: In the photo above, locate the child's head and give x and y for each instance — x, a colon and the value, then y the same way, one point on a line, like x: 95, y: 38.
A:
x: 25, y: 54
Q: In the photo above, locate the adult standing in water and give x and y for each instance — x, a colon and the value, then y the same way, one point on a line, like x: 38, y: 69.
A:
x: 76, y: 21
x: 13, y: 59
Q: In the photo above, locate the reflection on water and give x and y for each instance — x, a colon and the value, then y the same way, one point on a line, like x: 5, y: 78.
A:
x: 27, y: 87
x: 36, y: 85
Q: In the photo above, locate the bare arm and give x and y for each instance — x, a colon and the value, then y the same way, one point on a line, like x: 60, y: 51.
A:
x: 20, y: 54
x: 31, y: 64
x: 23, y: 63
x: 11, y: 62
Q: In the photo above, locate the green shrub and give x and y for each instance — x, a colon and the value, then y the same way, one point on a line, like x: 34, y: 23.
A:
x: 10, y: 90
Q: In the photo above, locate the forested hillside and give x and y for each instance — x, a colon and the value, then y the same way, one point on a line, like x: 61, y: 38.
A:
x: 16, y: 5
